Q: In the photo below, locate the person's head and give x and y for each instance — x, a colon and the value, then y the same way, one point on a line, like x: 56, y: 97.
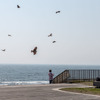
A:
x: 35, y: 48
x: 50, y: 70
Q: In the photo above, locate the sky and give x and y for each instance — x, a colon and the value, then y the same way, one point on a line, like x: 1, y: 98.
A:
x: 75, y: 30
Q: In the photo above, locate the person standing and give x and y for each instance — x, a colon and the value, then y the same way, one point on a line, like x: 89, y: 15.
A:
x: 50, y: 76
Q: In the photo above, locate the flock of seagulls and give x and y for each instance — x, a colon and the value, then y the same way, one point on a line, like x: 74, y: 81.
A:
x: 34, y: 51
x: 10, y: 34
x: 5, y: 49
x: 50, y: 35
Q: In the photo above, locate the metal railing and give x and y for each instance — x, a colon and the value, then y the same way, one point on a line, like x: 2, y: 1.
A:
x: 84, y: 75
x: 77, y: 75
x: 61, y: 78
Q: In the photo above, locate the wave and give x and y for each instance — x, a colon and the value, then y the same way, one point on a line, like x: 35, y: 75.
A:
x: 23, y: 82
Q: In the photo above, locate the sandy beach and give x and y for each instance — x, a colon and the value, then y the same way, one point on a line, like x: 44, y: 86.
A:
x: 42, y: 92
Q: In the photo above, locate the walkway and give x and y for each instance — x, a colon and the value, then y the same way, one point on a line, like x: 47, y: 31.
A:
x: 42, y: 92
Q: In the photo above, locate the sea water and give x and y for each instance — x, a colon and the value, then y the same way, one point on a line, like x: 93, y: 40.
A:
x: 20, y: 74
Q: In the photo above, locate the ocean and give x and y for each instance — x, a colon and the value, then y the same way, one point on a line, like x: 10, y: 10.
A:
x: 20, y: 74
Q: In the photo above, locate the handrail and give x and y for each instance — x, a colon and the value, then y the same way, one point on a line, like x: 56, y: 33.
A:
x: 77, y: 75
x: 62, y: 77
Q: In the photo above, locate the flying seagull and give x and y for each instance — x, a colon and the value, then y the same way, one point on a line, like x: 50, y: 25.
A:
x: 3, y: 49
x: 34, y: 50
x: 50, y: 35
x: 18, y: 6
x: 57, y: 12
x: 53, y: 41
x: 9, y: 35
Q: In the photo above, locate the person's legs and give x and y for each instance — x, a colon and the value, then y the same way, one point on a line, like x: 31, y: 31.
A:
x: 50, y: 81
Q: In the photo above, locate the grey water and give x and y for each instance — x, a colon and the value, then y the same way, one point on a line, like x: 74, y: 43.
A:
x: 20, y: 74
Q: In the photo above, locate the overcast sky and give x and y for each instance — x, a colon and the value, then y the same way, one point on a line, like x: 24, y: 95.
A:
x: 76, y: 31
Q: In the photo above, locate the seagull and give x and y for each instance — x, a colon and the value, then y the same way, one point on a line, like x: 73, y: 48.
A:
x: 3, y: 49
x: 50, y: 35
x: 9, y: 35
x: 18, y: 6
x: 34, y: 50
x: 53, y: 41
x: 57, y: 12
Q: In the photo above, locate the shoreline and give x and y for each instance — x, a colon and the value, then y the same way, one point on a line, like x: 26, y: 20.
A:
x: 47, y: 85
x: 12, y: 83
